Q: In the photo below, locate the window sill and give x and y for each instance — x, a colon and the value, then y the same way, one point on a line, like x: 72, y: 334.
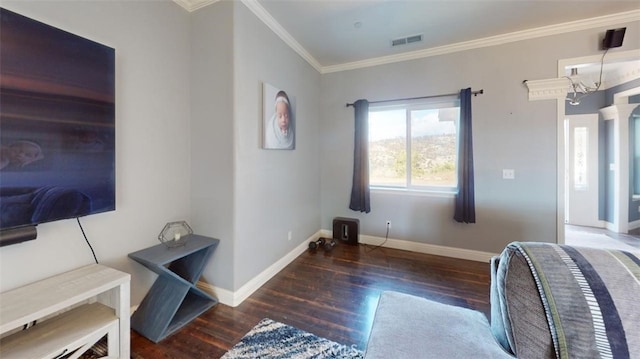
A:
x: 414, y: 192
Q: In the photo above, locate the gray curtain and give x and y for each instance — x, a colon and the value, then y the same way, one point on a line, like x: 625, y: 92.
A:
x: 465, y: 211
x: 360, y: 186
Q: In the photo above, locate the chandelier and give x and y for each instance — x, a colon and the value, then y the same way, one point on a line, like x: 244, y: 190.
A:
x: 578, y: 89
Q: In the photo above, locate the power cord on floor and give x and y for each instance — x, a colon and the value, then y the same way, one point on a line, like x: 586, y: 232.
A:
x: 87, y: 240
x: 386, y: 237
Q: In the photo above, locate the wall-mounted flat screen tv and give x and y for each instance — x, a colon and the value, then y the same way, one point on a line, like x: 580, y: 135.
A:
x: 57, y: 124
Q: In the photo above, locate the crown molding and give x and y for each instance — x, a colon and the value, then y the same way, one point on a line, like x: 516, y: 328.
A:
x: 267, y: 19
x: 577, y: 25
x: 621, y: 78
x: 547, y: 89
x: 275, y: 26
x: 193, y: 5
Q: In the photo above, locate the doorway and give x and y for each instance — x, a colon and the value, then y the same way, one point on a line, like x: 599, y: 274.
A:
x: 570, y: 196
x: 582, y: 184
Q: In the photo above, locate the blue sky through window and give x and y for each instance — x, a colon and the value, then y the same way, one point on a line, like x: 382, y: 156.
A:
x: 389, y: 124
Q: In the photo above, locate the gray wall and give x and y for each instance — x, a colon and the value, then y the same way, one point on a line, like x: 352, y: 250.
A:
x: 189, y: 108
x: 509, y: 132
x: 212, y: 135
x: 248, y: 197
x: 151, y: 40
x: 276, y: 191
x: 590, y: 104
x: 599, y: 99
x: 622, y: 87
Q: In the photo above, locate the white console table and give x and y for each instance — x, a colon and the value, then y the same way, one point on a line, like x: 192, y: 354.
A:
x: 82, y: 306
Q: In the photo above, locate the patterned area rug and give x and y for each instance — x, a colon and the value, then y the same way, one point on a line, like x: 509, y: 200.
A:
x: 270, y: 340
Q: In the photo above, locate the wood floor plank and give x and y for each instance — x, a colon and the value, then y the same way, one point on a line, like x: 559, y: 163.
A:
x: 333, y: 295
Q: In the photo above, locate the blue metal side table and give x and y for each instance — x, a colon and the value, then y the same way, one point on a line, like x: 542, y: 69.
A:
x: 173, y: 300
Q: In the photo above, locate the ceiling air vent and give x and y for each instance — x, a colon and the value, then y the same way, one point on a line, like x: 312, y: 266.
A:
x: 397, y: 42
x: 406, y: 40
x: 414, y: 38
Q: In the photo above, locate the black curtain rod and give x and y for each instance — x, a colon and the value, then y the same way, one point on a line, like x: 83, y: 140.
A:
x: 474, y: 93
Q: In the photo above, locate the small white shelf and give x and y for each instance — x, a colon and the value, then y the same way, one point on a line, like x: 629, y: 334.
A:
x: 98, y: 299
x: 62, y: 334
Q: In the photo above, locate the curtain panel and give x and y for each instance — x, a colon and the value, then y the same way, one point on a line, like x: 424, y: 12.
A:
x: 360, y: 200
x: 465, y: 211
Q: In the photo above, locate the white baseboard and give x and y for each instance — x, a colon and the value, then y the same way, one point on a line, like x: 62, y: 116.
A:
x: 425, y: 248
x: 610, y: 226
x: 224, y: 296
x: 233, y: 299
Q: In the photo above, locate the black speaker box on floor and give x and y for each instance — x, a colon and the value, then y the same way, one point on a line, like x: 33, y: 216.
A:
x: 346, y: 230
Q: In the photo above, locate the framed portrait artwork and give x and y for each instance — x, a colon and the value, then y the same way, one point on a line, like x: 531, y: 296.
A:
x: 278, y: 127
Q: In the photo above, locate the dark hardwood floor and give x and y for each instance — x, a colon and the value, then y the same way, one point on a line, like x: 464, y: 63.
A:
x: 333, y: 295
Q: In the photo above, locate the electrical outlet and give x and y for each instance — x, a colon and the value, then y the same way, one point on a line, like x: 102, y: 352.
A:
x: 289, y: 235
x: 508, y: 174
x: 388, y: 224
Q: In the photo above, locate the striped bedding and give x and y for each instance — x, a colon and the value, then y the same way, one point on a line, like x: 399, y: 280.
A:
x: 591, y: 298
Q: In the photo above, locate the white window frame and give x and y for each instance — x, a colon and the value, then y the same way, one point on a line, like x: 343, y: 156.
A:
x: 417, y: 105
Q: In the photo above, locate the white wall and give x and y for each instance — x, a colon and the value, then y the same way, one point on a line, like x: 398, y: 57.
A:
x: 509, y: 132
x: 152, y: 139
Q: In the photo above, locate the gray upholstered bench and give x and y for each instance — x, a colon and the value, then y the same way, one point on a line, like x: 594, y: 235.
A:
x: 406, y: 326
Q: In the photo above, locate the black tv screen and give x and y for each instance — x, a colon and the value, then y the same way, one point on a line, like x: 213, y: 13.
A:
x: 57, y: 124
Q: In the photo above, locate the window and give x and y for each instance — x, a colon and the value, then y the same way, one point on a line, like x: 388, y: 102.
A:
x: 413, y: 146
x: 580, y: 155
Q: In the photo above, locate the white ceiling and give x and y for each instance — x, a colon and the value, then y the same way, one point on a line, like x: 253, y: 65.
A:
x: 334, y: 35
x: 325, y: 28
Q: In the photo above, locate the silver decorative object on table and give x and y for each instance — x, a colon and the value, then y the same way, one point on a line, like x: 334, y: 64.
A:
x: 175, y: 234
